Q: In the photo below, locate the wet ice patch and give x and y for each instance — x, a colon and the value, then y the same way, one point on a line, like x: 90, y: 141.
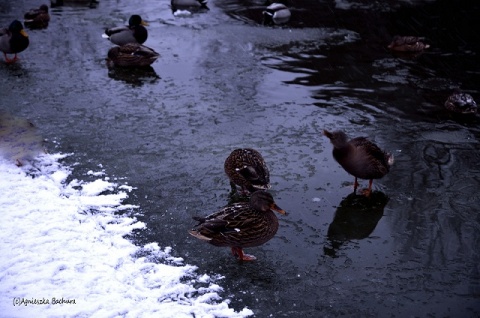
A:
x: 64, y: 253
x: 20, y: 140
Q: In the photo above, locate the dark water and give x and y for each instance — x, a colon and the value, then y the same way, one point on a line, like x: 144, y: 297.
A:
x: 224, y: 81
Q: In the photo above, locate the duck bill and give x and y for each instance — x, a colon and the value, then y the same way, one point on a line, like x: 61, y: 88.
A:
x: 276, y: 208
x: 22, y: 32
x: 144, y: 23
x: 327, y: 133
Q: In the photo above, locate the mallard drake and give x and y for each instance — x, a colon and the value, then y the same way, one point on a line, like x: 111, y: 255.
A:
x: 246, y: 168
x: 276, y: 13
x: 13, y: 40
x: 240, y: 225
x: 360, y: 157
x: 412, y: 44
x: 132, y: 55
x: 188, y: 5
x: 460, y: 102
x: 37, y: 18
x: 134, y: 32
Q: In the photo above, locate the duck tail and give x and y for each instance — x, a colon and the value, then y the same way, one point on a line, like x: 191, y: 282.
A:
x: 199, y: 236
x: 390, y: 159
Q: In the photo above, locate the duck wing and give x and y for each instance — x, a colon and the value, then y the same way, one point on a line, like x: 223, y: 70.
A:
x: 116, y: 30
x: 374, y: 160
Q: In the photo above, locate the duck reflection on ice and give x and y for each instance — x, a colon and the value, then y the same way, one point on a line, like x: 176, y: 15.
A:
x: 58, y: 3
x: 134, y: 76
x: 355, y: 219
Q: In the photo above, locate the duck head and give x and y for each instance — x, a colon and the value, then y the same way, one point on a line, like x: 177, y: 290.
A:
x: 136, y: 20
x: 337, y: 138
x: 263, y: 201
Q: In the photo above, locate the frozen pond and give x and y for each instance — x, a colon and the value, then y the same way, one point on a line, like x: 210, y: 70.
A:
x: 225, y: 81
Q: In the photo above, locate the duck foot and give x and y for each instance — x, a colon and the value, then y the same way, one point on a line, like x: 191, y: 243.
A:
x: 368, y: 192
x: 238, y: 253
x: 10, y: 61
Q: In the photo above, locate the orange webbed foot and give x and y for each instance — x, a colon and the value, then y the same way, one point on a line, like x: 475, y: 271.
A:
x: 367, y: 192
x: 238, y: 253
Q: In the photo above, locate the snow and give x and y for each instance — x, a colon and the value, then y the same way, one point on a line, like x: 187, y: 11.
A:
x: 64, y: 252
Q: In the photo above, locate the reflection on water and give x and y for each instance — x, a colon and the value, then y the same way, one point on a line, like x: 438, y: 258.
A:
x: 355, y: 218
x: 134, y: 76
x: 80, y: 3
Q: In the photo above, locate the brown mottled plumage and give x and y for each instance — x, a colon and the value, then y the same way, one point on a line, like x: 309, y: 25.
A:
x: 132, y: 55
x: 247, y: 169
x: 460, y: 102
x: 360, y: 157
x: 240, y: 225
x: 37, y: 18
x: 408, y: 44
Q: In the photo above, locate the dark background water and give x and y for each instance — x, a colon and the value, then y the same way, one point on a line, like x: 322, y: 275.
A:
x: 224, y: 81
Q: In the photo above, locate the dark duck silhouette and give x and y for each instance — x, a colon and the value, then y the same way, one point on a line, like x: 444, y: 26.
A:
x: 134, y: 32
x: 37, y: 18
x: 13, y: 40
x: 460, y: 102
x: 360, y: 157
x: 355, y: 219
x: 247, y: 169
x: 240, y: 225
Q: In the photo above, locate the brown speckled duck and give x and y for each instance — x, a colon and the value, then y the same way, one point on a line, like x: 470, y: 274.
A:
x: 240, y: 225
x: 460, y: 102
x: 411, y: 44
x: 13, y: 40
x: 132, y: 55
x: 246, y: 168
x: 360, y: 157
x: 37, y: 18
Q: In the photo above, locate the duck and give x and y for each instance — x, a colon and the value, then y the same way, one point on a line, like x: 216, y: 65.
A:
x: 37, y: 18
x: 13, y: 40
x: 188, y: 5
x: 276, y: 13
x: 132, y: 55
x: 360, y: 157
x: 246, y: 168
x: 460, y: 102
x: 134, y: 32
x: 91, y: 3
x: 411, y: 44
x: 240, y: 225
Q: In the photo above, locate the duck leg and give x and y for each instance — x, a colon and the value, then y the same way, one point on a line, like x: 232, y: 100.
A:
x: 367, y: 192
x: 8, y: 60
x: 238, y: 253
x: 355, y: 185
